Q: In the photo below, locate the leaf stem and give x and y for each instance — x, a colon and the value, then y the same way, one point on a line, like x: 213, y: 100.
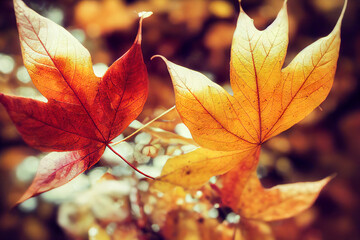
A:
x: 144, y: 126
x: 234, y: 234
x: 130, y: 164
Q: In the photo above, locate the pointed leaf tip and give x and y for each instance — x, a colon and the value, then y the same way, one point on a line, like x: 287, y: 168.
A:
x: 338, y: 24
x: 145, y: 14
x: 142, y: 15
x: 159, y: 56
x: 58, y: 168
x: 167, y: 62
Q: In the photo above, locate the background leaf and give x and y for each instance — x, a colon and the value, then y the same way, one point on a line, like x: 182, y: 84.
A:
x: 249, y: 199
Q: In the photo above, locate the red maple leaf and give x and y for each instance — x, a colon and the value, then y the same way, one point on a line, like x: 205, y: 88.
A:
x: 83, y: 112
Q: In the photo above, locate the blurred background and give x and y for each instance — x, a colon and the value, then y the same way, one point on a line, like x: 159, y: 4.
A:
x: 196, y: 34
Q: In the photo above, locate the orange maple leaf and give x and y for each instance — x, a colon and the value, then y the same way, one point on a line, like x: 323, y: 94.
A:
x: 267, y: 100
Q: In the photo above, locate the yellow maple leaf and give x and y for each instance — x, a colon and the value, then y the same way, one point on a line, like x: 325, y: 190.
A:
x: 267, y: 100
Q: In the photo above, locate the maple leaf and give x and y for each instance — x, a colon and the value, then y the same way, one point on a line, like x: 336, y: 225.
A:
x: 243, y: 192
x: 195, y: 168
x: 267, y: 100
x: 83, y: 112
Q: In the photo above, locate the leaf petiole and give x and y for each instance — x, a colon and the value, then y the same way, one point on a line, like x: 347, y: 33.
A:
x: 144, y: 126
x: 130, y: 164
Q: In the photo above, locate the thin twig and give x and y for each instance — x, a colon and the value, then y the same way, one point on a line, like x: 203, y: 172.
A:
x: 144, y: 126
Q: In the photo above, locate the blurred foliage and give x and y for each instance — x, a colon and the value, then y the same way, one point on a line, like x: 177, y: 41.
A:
x: 196, y: 34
